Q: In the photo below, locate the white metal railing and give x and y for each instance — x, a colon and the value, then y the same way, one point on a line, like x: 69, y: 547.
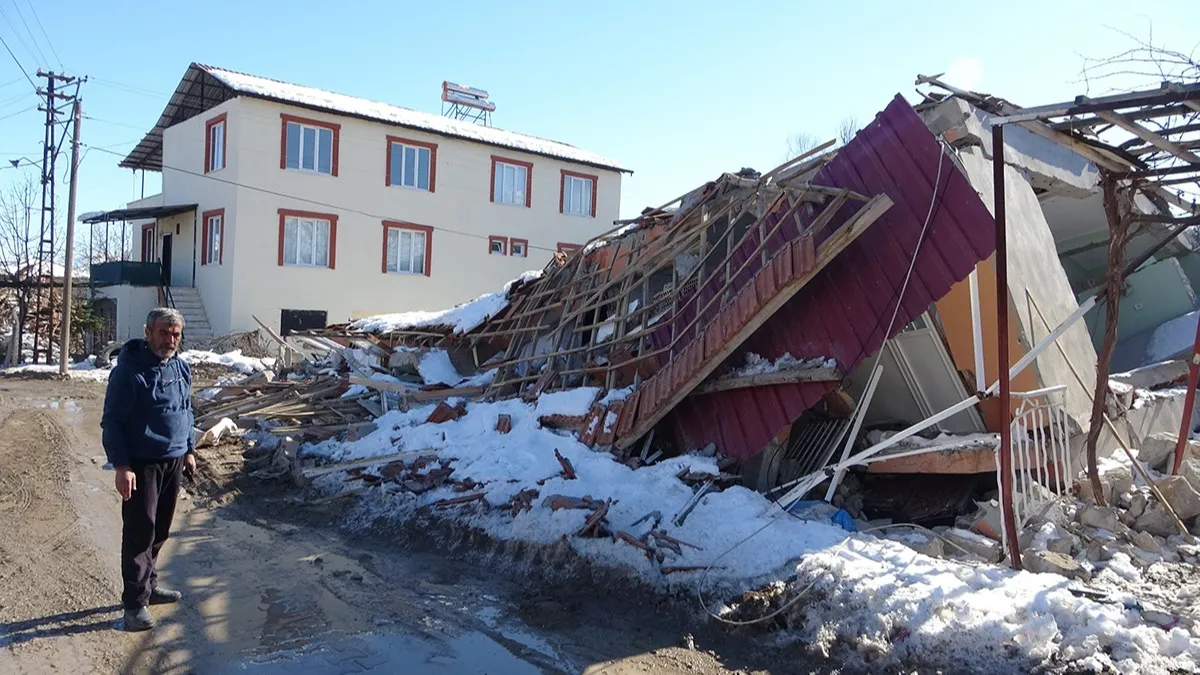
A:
x: 1041, y: 451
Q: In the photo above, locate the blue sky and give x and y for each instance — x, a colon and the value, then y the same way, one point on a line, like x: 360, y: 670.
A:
x: 677, y: 91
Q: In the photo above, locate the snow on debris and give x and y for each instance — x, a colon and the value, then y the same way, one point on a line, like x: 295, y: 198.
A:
x: 435, y: 368
x: 246, y: 365
x: 568, y: 403
x: 1172, y: 338
x: 876, y: 595
x: 757, y: 365
x: 460, y: 319
x: 393, y: 114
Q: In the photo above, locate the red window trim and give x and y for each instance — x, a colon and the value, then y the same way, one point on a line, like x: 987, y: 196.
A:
x: 562, y: 189
x: 528, y: 178
x: 332, y: 126
x: 401, y: 225
x: 284, y: 214
x: 503, y: 244
x: 148, y: 252
x: 219, y: 119
x: 204, y: 252
x: 432, y: 147
x: 567, y: 248
x: 512, y: 244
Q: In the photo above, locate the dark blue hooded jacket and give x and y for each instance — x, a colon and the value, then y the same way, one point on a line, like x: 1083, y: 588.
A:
x: 148, y: 407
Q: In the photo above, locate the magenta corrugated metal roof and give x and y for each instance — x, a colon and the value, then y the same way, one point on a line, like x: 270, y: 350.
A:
x: 843, y: 312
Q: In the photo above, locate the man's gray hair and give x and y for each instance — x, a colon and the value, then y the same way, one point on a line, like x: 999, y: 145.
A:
x: 170, y: 316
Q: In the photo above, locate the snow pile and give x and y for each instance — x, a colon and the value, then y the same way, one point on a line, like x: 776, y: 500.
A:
x: 435, y: 368
x: 879, y: 596
x: 757, y: 365
x: 568, y: 403
x: 460, y: 319
x: 246, y: 365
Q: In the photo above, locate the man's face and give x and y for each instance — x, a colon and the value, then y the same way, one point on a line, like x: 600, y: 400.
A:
x: 164, y: 338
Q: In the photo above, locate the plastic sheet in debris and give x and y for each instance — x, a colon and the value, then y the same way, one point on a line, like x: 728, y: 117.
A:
x: 819, y: 510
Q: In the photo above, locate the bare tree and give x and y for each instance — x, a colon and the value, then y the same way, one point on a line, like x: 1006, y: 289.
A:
x: 847, y: 129
x: 801, y: 143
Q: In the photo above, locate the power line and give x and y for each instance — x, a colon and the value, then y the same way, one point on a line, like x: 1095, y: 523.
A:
x: 18, y: 62
x: 128, y: 88
x: 4, y: 15
x: 10, y: 83
x: 32, y: 37
x: 42, y: 28
x: 119, y: 124
x: 336, y: 207
x: 24, y: 110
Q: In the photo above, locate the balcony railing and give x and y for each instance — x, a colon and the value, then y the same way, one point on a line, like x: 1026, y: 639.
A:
x: 127, y: 272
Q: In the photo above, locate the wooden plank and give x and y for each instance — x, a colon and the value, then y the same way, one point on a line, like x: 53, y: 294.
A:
x: 313, y: 472
x: 1149, y: 136
x: 793, y: 376
x: 415, y: 394
x: 836, y: 243
x: 276, y: 337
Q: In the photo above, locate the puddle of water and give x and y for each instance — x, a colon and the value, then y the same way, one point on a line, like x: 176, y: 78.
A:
x: 465, y: 654
x: 491, y: 618
x: 69, y: 405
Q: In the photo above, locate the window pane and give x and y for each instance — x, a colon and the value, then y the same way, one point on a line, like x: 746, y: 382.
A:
x: 307, y: 148
x: 579, y: 197
x: 397, y: 152
x: 587, y: 198
x: 293, y: 145
x: 290, y: 241
x: 410, y: 165
x: 214, y: 251
x: 519, y: 176
x: 404, y: 262
x: 304, y: 244
x: 497, y: 183
x: 393, y: 249
x: 423, y: 160
x: 418, y: 263
x: 321, y: 241
x: 325, y: 158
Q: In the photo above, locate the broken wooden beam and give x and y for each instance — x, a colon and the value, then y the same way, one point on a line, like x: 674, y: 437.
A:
x: 568, y: 470
x: 794, y: 376
x: 456, y: 501
x: 313, y: 472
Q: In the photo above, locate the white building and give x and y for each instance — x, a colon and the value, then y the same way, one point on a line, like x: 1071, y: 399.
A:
x: 303, y: 207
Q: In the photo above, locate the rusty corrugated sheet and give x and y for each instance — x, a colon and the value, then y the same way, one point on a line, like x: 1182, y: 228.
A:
x: 843, y: 312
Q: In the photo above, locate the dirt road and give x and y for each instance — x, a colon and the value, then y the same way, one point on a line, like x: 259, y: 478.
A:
x: 271, y: 586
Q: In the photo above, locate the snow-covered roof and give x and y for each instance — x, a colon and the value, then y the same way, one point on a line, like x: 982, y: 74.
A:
x: 243, y: 84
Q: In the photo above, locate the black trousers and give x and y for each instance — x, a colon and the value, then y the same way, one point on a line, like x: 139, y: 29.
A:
x: 146, y: 523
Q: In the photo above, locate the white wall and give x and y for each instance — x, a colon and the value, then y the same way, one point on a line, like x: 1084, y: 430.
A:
x: 133, y: 304
x: 250, y: 280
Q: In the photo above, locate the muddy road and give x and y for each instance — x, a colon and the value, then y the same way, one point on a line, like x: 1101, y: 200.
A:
x: 271, y: 586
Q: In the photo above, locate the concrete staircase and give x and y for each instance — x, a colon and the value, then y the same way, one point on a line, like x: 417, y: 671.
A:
x: 188, y: 302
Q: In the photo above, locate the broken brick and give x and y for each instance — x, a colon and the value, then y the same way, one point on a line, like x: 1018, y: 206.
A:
x: 504, y: 423
x: 557, y: 502
x: 445, y: 413
x: 455, y: 501
x: 568, y: 470
x: 594, y: 527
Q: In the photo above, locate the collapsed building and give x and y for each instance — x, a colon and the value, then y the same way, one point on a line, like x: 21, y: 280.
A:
x: 840, y: 311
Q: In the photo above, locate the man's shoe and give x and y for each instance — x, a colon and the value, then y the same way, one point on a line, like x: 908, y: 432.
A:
x: 162, y: 596
x: 139, y: 619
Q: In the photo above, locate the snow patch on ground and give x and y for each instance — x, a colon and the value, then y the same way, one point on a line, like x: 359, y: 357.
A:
x: 568, y: 403
x: 878, y: 595
x: 460, y: 319
x: 84, y: 370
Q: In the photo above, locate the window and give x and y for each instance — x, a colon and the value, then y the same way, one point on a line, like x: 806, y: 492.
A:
x: 148, y: 243
x: 214, y: 144
x: 411, y: 164
x: 512, y: 181
x: 407, y: 248
x: 518, y: 248
x: 307, y: 239
x: 213, y: 239
x: 497, y: 246
x: 578, y: 197
x: 309, y: 145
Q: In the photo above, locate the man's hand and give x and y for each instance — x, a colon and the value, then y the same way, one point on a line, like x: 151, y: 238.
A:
x: 126, y: 482
x: 189, y: 462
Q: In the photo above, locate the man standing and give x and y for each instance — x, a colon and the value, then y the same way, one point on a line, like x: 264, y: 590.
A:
x: 147, y: 425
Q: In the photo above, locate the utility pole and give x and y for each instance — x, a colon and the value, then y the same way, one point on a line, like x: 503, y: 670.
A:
x: 43, y: 288
x: 64, y: 345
